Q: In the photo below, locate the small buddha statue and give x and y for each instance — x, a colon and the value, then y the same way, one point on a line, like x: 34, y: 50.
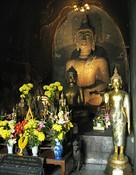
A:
x: 118, y: 104
x: 72, y: 92
x: 62, y: 102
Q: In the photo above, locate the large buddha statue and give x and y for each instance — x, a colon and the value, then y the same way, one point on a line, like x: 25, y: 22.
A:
x: 92, y: 71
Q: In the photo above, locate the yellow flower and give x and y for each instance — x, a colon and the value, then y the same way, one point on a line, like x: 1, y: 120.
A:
x: 50, y: 88
x: 25, y: 88
x: 57, y: 83
x: 57, y: 127
x: 70, y: 124
x: 5, y: 134
x: 60, y: 136
x: 31, y: 124
x: 54, y: 88
x: 48, y: 94
x: 11, y: 125
x: 30, y: 85
x: 1, y: 129
x: 25, y: 92
x: 3, y: 123
x: 22, y: 96
x: 36, y: 132
x: 26, y: 133
x: 45, y: 87
x: 20, y: 89
x: 41, y: 136
x: 60, y: 88
x: 51, y: 85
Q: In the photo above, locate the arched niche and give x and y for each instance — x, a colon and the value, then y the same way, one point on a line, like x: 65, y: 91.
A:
x: 109, y: 42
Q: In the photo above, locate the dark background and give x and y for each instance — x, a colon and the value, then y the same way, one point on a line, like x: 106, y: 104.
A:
x: 27, y: 29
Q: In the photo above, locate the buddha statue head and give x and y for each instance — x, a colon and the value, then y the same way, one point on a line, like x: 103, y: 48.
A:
x: 71, y: 75
x: 85, y: 37
x: 116, y: 80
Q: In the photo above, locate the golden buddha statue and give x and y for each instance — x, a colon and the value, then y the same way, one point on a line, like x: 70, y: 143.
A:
x: 117, y: 101
x: 92, y: 71
x: 62, y: 102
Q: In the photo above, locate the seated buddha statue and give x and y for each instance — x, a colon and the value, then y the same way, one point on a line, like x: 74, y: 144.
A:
x: 92, y: 70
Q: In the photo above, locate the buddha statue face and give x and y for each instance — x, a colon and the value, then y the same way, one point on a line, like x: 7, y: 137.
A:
x: 71, y: 78
x: 116, y: 83
x: 71, y: 75
x: 85, y: 37
x: 85, y: 40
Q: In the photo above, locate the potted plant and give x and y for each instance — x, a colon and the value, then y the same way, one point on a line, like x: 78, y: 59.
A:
x: 7, y: 132
x: 34, y: 131
x: 26, y: 98
x: 61, y: 125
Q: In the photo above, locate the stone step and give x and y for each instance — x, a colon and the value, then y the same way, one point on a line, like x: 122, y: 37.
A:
x: 97, y: 146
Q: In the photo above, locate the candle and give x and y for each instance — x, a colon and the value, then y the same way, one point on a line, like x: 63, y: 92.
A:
x: 117, y: 172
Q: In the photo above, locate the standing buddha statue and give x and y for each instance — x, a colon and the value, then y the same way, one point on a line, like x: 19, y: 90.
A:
x: 117, y: 100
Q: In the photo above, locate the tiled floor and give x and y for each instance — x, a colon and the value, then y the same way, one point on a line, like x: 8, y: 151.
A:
x: 81, y: 172
x: 88, y: 169
x: 92, y: 171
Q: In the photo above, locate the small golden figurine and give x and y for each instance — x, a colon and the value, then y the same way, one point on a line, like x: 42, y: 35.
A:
x: 118, y: 103
x: 62, y: 102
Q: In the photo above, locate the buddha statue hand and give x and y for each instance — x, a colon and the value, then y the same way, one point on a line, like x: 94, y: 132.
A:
x: 97, y: 92
x: 129, y: 129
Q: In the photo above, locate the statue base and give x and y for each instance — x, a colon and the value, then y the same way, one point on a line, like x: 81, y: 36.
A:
x: 118, y: 167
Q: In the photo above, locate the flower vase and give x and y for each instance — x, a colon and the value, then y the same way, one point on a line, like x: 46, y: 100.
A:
x: 58, y: 150
x: 35, y: 151
x: 10, y: 148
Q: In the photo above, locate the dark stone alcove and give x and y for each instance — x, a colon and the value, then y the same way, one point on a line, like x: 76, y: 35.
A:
x: 27, y: 29
x: 110, y: 43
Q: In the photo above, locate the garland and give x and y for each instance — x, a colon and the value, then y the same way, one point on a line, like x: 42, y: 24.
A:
x: 22, y: 142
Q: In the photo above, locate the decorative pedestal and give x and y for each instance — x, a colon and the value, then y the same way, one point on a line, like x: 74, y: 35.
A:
x: 118, y: 167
